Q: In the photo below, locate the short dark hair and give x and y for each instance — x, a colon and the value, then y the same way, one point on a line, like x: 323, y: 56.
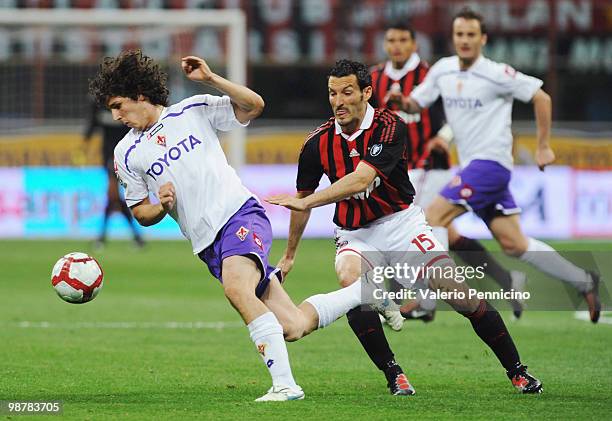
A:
x: 346, y: 67
x: 129, y: 75
x: 470, y: 14
x: 401, y: 25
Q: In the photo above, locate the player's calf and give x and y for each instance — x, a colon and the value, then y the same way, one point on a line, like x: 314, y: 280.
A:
x: 489, y: 326
x: 513, y: 245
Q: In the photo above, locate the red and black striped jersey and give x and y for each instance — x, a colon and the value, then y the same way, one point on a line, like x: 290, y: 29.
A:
x: 382, y: 145
x: 420, y: 127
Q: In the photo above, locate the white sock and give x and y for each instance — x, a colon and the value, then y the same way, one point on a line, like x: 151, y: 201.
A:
x: 426, y: 304
x: 267, y: 333
x: 441, y: 234
x: 336, y: 304
x: 546, y: 259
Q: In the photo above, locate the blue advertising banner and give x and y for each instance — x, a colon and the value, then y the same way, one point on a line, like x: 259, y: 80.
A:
x: 69, y: 202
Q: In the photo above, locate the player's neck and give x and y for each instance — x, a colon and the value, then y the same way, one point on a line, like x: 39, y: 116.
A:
x: 466, y: 63
x: 398, y: 65
x: 153, y: 115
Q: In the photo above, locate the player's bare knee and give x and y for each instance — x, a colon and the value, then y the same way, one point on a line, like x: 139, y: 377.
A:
x: 347, y: 277
x: 512, y: 246
x: 347, y: 274
x: 234, y: 292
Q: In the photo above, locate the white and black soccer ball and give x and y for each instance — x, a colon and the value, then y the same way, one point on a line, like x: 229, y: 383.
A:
x: 77, y: 278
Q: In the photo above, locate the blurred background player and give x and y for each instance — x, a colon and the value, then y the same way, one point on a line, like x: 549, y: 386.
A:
x: 363, y: 153
x: 428, y: 156
x: 478, y: 94
x: 112, y: 131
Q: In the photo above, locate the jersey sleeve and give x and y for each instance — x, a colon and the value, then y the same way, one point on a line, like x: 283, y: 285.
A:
x: 388, y: 147
x: 133, y: 183
x: 428, y: 91
x: 220, y: 112
x: 310, y: 169
x: 521, y: 86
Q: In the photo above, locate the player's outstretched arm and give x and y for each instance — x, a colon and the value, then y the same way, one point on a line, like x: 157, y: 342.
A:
x: 355, y: 182
x: 410, y: 106
x: 297, y: 224
x: 248, y: 105
x: 147, y: 213
x: 542, y: 106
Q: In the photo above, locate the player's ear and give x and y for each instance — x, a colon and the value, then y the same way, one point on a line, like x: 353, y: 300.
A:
x: 367, y: 93
x: 483, y: 40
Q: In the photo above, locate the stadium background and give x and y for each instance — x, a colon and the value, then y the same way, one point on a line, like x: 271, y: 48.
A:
x: 52, y: 190
x: 161, y: 342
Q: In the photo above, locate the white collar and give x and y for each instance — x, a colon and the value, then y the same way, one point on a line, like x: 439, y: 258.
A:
x: 366, y: 123
x: 476, y: 63
x: 410, y: 65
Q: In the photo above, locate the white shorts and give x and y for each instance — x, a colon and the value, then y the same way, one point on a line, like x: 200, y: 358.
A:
x: 428, y: 184
x: 403, y: 237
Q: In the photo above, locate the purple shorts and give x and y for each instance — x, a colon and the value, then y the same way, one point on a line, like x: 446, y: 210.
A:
x: 247, y: 233
x: 482, y: 187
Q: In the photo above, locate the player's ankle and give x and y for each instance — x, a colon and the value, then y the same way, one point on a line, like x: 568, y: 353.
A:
x: 391, y: 369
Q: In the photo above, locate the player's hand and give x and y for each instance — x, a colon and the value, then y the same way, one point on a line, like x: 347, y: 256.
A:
x: 167, y: 196
x: 196, y: 69
x: 438, y: 144
x: 544, y: 156
x: 393, y: 97
x: 285, y: 264
x: 288, y: 201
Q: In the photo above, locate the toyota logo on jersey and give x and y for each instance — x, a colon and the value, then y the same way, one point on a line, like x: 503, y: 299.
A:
x: 174, y: 153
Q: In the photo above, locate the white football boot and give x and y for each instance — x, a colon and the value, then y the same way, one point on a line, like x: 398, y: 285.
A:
x: 282, y: 393
x: 386, y: 308
x: 393, y: 318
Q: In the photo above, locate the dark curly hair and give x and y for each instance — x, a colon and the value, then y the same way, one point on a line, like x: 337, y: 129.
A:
x: 348, y: 67
x: 129, y: 75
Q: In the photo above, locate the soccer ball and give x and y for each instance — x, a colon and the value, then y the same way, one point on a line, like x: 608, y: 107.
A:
x: 77, y: 278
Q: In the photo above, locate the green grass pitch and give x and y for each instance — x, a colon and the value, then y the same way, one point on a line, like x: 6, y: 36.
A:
x: 138, y: 352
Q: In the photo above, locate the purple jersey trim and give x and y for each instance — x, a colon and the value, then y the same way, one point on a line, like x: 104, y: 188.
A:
x: 130, y: 149
x: 197, y: 104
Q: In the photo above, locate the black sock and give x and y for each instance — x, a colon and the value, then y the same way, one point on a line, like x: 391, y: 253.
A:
x: 490, y: 327
x: 107, y: 212
x: 369, y: 331
x: 474, y: 254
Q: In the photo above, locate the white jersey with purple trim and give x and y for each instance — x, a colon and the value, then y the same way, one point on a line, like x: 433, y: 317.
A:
x: 478, y: 105
x: 183, y: 147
